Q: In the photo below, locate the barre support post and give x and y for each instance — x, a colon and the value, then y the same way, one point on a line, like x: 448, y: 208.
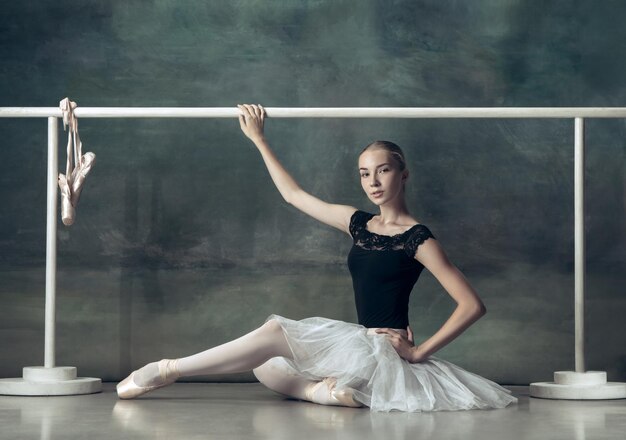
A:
x: 579, y: 245
x: 579, y: 384
x: 50, y: 380
x: 51, y: 242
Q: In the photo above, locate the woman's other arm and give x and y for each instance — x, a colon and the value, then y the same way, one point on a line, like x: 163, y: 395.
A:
x: 469, y: 306
x: 335, y: 215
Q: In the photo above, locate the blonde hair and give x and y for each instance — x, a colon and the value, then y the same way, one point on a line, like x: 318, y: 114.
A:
x: 394, y: 151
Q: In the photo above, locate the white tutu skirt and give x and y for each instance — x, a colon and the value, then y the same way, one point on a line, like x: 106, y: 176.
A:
x: 366, y: 361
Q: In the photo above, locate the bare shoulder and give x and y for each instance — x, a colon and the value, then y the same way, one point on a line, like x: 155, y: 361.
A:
x: 343, y: 215
x: 347, y: 216
x: 332, y: 214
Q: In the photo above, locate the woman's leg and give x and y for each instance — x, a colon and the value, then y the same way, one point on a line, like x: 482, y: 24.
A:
x: 245, y: 353
x: 242, y: 354
x: 279, y: 378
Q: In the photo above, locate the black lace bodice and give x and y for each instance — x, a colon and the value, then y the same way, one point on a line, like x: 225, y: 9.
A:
x: 408, y: 240
x: 384, y: 270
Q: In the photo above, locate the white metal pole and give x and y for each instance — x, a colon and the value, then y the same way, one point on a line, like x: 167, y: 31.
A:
x: 579, y: 244
x: 323, y: 112
x: 51, y: 241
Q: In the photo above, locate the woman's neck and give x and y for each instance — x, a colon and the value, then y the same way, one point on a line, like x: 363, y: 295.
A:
x: 394, y: 213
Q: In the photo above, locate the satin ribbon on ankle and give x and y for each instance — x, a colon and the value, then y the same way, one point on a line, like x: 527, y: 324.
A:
x: 72, y: 182
x: 168, y: 369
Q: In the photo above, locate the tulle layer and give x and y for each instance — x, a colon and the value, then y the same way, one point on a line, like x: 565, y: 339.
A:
x: 367, y: 362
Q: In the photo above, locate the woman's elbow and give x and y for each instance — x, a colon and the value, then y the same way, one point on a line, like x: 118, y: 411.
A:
x: 482, y: 310
x: 476, y: 309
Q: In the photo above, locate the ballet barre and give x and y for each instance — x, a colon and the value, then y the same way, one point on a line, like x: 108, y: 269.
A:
x: 578, y: 384
x: 322, y: 112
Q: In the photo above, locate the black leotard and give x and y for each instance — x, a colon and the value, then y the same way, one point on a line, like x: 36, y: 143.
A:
x: 384, y: 270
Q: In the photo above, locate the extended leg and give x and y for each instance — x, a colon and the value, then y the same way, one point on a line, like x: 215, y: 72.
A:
x: 242, y: 354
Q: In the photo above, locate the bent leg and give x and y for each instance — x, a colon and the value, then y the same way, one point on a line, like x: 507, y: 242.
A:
x: 278, y: 378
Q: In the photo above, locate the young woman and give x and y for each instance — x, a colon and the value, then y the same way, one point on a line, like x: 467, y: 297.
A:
x: 374, y: 363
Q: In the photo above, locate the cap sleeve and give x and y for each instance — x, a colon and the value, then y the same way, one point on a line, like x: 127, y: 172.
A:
x: 417, y: 237
x: 356, y: 222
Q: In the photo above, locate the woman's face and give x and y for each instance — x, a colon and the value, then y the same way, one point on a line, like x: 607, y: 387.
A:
x: 379, y: 172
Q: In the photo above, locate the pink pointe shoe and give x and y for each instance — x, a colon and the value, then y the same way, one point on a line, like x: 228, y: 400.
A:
x: 77, y: 166
x: 341, y: 397
x: 79, y: 174
x: 346, y: 398
x: 67, y: 209
x: 128, y: 389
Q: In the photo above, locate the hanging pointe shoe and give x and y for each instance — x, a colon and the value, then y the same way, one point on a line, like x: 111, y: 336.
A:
x: 338, y: 398
x: 67, y: 209
x: 79, y: 174
x: 168, y: 370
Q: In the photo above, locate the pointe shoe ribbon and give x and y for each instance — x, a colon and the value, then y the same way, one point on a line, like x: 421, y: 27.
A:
x: 72, y: 182
x: 168, y: 371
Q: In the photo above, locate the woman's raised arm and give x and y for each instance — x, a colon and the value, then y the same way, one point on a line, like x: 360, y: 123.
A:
x: 338, y: 216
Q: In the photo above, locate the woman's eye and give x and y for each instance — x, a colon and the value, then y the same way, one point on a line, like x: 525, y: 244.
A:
x: 384, y: 169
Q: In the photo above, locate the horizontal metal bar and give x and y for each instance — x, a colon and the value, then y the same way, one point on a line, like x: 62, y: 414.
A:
x: 30, y: 112
x: 323, y: 112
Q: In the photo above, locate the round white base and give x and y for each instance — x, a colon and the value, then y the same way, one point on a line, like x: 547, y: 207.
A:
x: 57, y: 381
x: 551, y: 390
x: 575, y: 378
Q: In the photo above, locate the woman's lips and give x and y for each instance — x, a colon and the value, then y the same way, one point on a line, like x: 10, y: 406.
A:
x: 377, y: 194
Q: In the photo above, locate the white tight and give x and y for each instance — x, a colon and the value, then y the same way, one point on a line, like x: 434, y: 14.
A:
x: 279, y: 380
x: 242, y: 354
x: 248, y: 352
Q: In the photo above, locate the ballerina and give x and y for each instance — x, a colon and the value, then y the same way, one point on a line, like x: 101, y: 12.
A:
x: 374, y: 363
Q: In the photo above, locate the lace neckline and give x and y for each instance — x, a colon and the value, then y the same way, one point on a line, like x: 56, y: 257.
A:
x: 383, y: 235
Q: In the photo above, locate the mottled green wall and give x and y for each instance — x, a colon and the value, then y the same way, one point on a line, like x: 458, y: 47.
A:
x: 182, y: 241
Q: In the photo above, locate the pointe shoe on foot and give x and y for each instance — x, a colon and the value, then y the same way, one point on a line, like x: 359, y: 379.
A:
x: 338, y: 398
x: 346, y: 398
x: 128, y: 388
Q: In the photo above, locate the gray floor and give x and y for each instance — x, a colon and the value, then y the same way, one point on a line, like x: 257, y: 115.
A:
x: 251, y: 411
